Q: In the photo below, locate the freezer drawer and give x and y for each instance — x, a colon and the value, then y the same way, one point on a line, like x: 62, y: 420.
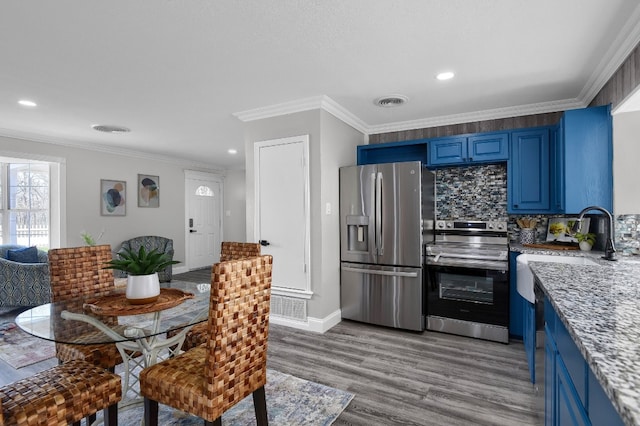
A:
x: 389, y: 296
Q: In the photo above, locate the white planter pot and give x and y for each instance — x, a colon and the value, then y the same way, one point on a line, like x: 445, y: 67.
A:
x: 142, y: 289
x: 584, y: 245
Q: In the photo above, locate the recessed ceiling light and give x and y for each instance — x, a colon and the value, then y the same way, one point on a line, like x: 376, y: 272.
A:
x: 445, y: 75
x: 108, y: 128
x: 391, y: 101
x: 27, y: 103
x: 232, y: 151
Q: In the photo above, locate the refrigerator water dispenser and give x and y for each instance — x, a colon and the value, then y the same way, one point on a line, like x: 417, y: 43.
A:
x: 357, y: 233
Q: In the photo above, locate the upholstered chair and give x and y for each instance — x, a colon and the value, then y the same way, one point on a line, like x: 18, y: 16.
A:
x: 79, y: 271
x: 208, y: 380
x: 230, y: 250
x: 61, y: 395
x: 162, y: 244
x: 25, y: 280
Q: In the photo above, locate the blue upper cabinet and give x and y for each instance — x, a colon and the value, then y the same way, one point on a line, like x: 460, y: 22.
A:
x: 393, y: 152
x: 528, y: 177
x: 477, y: 148
x: 583, y: 160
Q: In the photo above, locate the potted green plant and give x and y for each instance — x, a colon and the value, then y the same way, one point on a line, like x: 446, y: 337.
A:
x: 585, y: 241
x: 141, y: 266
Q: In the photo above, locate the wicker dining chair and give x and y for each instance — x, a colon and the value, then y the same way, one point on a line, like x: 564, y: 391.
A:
x: 61, y: 395
x: 208, y: 380
x: 75, y: 272
x: 230, y: 250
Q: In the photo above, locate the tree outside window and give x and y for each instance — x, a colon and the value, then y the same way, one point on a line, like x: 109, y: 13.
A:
x: 24, y: 204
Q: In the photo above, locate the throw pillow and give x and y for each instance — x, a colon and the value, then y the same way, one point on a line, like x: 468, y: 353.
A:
x: 23, y: 255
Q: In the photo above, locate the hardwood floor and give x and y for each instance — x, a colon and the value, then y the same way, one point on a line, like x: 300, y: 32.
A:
x: 398, y: 377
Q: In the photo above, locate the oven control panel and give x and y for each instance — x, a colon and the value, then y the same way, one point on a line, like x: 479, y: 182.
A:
x: 471, y: 225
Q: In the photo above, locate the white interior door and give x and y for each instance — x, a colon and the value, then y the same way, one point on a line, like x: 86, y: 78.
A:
x: 282, y: 209
x: 204, y: 224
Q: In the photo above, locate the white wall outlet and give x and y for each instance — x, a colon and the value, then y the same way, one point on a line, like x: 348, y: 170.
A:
x: 327, y: 208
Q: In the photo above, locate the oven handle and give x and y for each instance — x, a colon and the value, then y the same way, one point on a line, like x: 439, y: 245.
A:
x: 453, y: 264
x: 470, y: 256
x: 377, y: 272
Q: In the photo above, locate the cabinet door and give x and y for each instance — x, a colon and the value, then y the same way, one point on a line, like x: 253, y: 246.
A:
x: 588, y: 158
x: 515, y: 300
x: 557, y: 168
x: 549, y: 378
x: 447, y: 151
x: 569, y: 408
x: 529, y: 337
x: 528, y: 172
x: 489, y: 147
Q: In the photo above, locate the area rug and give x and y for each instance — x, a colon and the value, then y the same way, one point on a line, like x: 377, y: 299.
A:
x: 290, y: 401
x: 19, y: 349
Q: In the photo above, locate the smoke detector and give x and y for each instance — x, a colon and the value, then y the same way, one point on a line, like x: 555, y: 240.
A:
x: 107, y: 128
x: 391, y: 101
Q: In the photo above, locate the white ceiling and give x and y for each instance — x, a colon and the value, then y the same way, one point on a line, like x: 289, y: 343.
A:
x: 181, y: 74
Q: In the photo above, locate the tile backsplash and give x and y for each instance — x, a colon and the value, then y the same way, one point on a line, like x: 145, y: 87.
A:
x: 480, y: 192
x: 474, y: 192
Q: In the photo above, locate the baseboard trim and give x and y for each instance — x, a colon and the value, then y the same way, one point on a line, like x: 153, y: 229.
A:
x: 316, y: 325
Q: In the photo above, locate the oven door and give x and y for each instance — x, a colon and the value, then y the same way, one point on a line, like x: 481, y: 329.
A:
x: 468, y: 293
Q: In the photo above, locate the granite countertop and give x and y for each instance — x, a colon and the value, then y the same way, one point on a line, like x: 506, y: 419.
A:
x: 600, y: 307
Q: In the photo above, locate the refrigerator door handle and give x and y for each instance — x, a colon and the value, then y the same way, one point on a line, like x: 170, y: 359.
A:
x: 377, y: 272
x: 379, y: 242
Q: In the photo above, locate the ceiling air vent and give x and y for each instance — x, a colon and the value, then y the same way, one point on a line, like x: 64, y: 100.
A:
x: 391, y: 101
x: 110, y: 129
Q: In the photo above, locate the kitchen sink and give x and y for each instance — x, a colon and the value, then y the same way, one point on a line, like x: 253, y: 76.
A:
x: 525, y: 277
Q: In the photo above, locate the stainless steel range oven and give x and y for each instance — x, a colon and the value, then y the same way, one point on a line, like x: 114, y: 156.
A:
x: 467, y: 279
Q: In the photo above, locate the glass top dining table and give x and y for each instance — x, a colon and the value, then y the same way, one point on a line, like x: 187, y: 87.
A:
x: 84, y: 321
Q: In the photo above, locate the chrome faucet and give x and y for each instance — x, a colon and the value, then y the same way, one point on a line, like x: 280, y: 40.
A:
x: 609, y: 248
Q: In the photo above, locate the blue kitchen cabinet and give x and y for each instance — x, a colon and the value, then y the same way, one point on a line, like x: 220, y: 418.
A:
x: 516, y: 302
x: 529, y: 336
x: 468, y: 149
x: 573, y: 395
x: 582, y: 160
x: 392, y: 152
x: 528, y: 172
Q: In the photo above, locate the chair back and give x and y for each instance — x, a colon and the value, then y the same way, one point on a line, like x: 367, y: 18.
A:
x: 238, y: 324
x: 79, y: 271
x: 232, y: 250
x: 150, y: 242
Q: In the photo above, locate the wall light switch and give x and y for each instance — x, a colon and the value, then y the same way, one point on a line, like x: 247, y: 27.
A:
x: 327, y: 208
x: 227, y: 213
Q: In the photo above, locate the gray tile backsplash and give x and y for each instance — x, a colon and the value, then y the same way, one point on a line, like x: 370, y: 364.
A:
x: 474, y: 192
x: 480, y: 192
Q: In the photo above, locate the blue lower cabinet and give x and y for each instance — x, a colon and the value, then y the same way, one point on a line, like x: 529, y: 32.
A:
x: 573, y: 395
x: 570, y: 410
x: 549, y: 379
x: 516, y: 301
x: 529, y: 336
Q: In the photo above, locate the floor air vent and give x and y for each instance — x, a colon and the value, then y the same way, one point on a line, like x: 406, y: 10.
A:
x: 289, y: 307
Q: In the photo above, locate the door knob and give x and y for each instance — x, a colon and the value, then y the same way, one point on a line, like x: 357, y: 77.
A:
x: 264, y: 243
x: 192, y: 230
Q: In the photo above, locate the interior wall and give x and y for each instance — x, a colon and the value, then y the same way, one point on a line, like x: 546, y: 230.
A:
x: 338, y: 148
x: 331, y: 144
x: 626, y: 151
x: 234, y: 207
x: 85, y: 168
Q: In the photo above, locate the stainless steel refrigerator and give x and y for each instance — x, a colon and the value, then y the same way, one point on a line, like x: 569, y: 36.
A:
x: 386, y: 214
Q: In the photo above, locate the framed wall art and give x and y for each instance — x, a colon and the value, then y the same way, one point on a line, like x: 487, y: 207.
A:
x: 112, y: 197
x: 148, y: 191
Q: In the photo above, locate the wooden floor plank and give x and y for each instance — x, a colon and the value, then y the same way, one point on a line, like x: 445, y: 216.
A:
x: 398, y: 377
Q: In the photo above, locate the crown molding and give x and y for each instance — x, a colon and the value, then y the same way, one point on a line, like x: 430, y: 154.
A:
x: 490, y: 114
x: 34, y: 137
x: 624, y: 43
x: 334, y: 108
x: 315, y: 102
